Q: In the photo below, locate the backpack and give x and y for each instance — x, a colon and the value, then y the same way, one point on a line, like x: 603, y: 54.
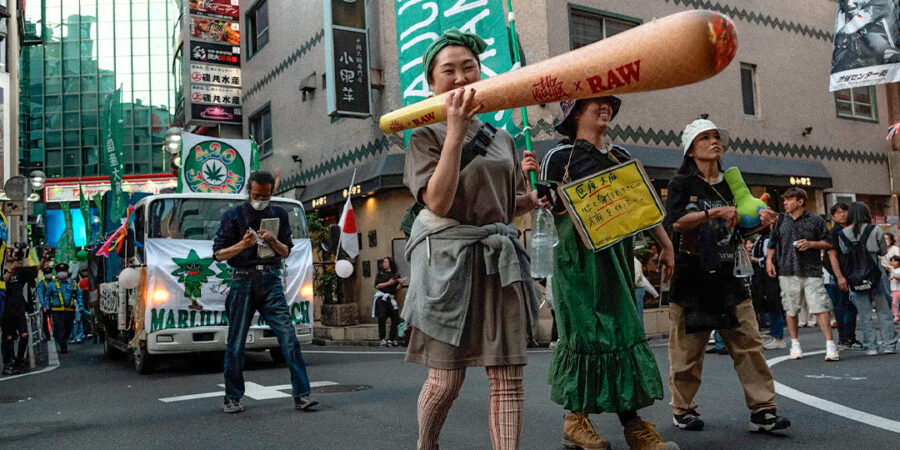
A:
x: 862, y: 272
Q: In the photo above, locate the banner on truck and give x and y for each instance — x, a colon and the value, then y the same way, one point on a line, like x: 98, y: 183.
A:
x: 186, y: 288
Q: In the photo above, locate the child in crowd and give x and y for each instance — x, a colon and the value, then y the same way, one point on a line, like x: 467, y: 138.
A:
x: 895, y: 286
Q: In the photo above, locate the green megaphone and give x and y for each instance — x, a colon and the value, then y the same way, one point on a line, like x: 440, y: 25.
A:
x: 746, y: 204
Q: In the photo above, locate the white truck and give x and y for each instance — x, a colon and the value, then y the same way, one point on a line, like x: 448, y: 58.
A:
x: 178, y: 306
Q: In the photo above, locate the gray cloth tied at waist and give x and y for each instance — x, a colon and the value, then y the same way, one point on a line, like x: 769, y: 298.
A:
x: 441, y: 253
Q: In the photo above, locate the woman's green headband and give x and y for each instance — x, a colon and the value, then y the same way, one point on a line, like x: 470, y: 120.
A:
x: 453, y: 37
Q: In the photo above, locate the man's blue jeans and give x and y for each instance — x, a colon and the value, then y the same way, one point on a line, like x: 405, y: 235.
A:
x: 844, y: 312
x: 263, y: 292
x: 776, y: 324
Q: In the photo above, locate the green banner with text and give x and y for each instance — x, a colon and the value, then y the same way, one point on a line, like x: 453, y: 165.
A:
x: 111, y: 150
x: 421, y: 23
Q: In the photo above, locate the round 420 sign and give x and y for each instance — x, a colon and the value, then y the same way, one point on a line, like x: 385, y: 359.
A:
x: 214, y: 166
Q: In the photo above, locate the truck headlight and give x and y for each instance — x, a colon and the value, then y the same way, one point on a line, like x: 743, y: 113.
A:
x: 160, y: 295
x: 306, y: 291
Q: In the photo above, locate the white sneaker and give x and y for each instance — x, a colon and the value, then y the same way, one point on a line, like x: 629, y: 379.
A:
x: 796, y: 352
x: 772, y: 344
x: 831, y: 353
x: 872, y: 352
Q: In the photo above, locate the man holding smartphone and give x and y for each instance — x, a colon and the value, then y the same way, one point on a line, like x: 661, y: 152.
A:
x: 257, y: 286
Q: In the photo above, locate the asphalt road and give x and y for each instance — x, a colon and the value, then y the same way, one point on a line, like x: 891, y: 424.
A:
x: 92, y: 402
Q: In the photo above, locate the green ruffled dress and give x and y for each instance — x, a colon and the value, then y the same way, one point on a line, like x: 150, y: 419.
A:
x: 603, y: 362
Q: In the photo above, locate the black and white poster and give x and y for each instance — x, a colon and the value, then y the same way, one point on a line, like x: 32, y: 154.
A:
x: 866, y: 43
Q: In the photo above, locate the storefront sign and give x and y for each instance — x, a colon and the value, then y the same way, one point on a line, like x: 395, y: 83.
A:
x: 800, y: 181
x: 68, y: 191
x: 215, y: 165
x: 222, y: 9
x: 216, y: 53
x: 214, y: 30
x: 612, y: 204
x: 212, y: 113
x: 202, y: 93
x: 218, y: 75
x: 350, y: 92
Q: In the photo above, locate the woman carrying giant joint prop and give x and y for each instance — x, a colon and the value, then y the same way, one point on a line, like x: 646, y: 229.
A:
x: 706, y: 295
x: 470, y: 299
x: 603, y: 362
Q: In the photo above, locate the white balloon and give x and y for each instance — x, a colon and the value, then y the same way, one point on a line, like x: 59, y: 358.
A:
x: 343, y: 268
x: 129, y: 278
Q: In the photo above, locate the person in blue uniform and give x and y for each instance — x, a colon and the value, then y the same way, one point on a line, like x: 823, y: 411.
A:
x: 63, y: 297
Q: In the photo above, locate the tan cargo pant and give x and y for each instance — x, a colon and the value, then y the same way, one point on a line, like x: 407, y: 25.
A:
x: 744, y: 345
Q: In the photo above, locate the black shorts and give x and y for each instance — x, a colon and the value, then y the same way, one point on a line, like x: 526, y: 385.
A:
x: 14, y: 325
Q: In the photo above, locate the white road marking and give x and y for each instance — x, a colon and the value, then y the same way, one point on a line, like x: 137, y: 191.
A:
x: 53, y: 364
x: 832, y: 377
x: 252, y: 390
x: 831, y: 407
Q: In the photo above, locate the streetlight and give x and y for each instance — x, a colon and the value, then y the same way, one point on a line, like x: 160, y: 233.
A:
x: 35, y: 183
x: 172, y: 144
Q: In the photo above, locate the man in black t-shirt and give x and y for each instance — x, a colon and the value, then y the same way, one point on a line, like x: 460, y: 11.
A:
x: 797, y: 241
x: 844, y: 310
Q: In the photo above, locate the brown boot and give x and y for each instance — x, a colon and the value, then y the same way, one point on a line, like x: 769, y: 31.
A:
x: 641, y: 435
x: 578, y: 432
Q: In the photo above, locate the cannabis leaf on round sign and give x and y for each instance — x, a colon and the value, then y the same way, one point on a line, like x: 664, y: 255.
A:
x: 213, y: 173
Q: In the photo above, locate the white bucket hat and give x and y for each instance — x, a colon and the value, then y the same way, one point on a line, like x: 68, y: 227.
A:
x: 698, y: 126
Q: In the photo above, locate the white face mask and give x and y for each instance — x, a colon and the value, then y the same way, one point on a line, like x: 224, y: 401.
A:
x: 259, y: 205
x: 63, y: 275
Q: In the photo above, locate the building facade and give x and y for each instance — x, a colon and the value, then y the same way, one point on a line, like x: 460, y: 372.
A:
x: 76, y: 54
x: 787, y: 128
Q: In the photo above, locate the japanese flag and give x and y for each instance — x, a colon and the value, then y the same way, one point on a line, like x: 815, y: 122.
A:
x: 349, y: 241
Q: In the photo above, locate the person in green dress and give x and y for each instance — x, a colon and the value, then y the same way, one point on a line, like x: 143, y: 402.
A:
x: 603, y: 362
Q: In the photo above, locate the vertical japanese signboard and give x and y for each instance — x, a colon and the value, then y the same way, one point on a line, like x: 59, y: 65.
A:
x: 212, y: 74
x: 347, y: 58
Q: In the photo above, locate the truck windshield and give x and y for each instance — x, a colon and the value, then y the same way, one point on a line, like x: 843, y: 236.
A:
x: 198, y: 218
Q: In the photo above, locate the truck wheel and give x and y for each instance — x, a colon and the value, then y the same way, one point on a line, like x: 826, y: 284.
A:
x: 109, y: 351
x: 143, y: 362
x: 277, y: 356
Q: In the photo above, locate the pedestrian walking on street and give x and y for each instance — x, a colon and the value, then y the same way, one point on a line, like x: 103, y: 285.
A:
x: 384, y: 306
x: 63, y: 297
x: 705, y: 294
x: 892, y: 251
x: 844, y: 310
x: 257, y: 286
x: 603, y: 362
x: 895, y: 286
x: 471, y: 299
x: 769, y: 293
x: 796, y: 244
x: 14, y: 322
x: 861, y: 243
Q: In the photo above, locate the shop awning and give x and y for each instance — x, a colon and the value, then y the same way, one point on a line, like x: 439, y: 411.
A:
x: 661, y: 164
x: 385, y: 172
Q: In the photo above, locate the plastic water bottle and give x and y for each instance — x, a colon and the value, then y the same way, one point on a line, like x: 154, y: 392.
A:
x: 543, y: 239
x: 742, y: 267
